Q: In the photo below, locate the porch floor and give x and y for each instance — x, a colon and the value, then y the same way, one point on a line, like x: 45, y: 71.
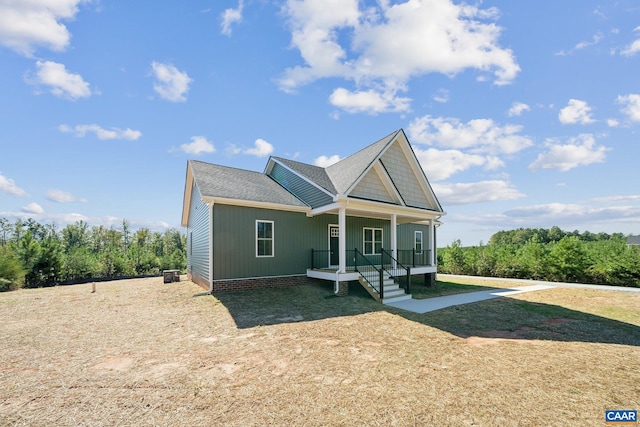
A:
x: 418, y: 269
x: 331, y: 273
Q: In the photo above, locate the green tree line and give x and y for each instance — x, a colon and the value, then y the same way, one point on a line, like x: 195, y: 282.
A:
x: 551, y: 255
x: 35, y: 255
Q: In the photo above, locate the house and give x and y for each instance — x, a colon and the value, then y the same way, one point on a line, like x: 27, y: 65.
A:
x: 371, y: 217
x: 633, y: 240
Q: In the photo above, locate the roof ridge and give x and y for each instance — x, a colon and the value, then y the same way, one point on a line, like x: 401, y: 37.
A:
x: 347, y: 171
x: 225, y: 166
x: 367, y: 147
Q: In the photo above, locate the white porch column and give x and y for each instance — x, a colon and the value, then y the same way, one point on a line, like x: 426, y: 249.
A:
x: 432, y: 242
x: 394, y: 239
x: 342, y: 240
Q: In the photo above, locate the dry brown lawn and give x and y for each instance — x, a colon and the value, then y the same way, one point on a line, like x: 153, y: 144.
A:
x: 139, y: 353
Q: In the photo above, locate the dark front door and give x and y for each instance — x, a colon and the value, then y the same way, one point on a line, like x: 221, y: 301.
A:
x: 334, y: 245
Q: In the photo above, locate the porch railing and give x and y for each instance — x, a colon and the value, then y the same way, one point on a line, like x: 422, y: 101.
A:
x: 321, y: 258
x: 396, y: 270
x: 414, y: 258
x: 368, y: 271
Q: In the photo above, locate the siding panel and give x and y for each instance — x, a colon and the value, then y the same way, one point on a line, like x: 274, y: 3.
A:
x: 371, y: 187
x: 294, y: 236
x: 406, y: 235
x: 198, y: 236
x: 300, y: 188
x: 402, y: 175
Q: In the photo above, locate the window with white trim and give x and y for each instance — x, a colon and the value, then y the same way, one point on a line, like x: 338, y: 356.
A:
x: 418, y: 241
x: 264, y: 238
x: 372, y: 241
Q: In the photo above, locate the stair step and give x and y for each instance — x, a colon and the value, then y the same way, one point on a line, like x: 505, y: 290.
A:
x: 394, y: 293
x: 404, y: 297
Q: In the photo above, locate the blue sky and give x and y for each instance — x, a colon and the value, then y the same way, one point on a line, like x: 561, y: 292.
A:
x: 522, y: 114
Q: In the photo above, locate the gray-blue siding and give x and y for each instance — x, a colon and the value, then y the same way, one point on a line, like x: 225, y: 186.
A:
x: 198, y: 236
x: 300, y: 188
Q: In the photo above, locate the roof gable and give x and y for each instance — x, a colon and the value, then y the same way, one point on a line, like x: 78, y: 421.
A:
x: 376, y: 185
x: 395, y: 156
x: 407, y: 180
x: 345, y: 173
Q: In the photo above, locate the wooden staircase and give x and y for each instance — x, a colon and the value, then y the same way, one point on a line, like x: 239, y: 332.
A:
x: 391, y: 291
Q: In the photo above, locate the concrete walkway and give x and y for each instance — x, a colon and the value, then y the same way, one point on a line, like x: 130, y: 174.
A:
x: 540, y: 282
x: 432, y: 304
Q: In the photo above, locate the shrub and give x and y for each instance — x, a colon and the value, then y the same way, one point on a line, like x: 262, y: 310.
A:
x: 11, y: 273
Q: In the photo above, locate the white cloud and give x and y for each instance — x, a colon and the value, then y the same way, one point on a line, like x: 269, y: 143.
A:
x: 576, y: 111
x: 390, y: 44
x: 198, y: 145
x: 617, y: 199
x: 476, y: 192
x: 574, y: 213
x: 441, y: 164
x: 579, y: 151
x: 231, y: 16
x: 60, y: 196
x: 314, y: 32
x: 632, y: 48
x: 477, y: 136
x: 584, y: 44
x: 27, y: 24
x: 597, y: 38
x: 612, y: 123
x: 33, y: 208
x: 324, y: 161
x: 63, y: 219
x: 261, y: 149
x: 617, y: 214
x: 171, y: 84
x: 233, y: 149
x: 517, y: 108
x: 369, y: 101
x: 7, y: 185
x: 61, y: 82
x: 630, y: 105
x: 441, y: 96
x: 81, y: 131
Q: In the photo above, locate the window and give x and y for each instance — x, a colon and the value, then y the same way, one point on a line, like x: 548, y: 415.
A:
x: 264, y: 238
x: 418, y: 241
x: 372, y: 241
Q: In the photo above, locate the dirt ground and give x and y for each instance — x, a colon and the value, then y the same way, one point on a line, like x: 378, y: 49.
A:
x: 141, y: 353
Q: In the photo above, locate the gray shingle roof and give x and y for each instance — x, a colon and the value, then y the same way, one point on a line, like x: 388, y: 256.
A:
x: 633, y: 240
x: 344, y: 173
x: 313, y: 173
x: 239, y: 184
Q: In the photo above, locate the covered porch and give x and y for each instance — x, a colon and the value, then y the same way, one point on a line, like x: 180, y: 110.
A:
x: 404, y: 238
